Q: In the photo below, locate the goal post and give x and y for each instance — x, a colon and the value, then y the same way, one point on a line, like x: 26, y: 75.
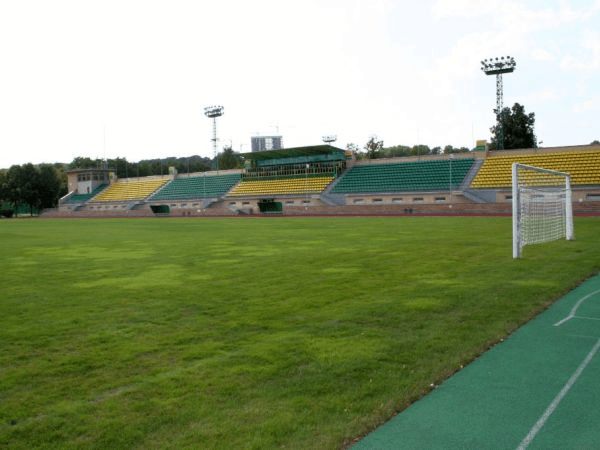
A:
x: 542, y: 206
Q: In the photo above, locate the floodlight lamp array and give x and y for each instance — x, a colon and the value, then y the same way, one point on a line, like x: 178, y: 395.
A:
x: 330, y: 138
x: 494, y: 66
x: 214, y: 111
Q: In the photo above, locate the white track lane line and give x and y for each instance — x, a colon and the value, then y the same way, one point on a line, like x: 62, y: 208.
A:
x: 564, y: 391
x: 574, y: 310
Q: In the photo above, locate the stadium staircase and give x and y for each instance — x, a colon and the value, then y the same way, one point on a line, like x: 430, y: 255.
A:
x: 134, y: 205
x: 480, y: 195
x: 488, y: 196
x: 471, y: 173
x: 334, y: 199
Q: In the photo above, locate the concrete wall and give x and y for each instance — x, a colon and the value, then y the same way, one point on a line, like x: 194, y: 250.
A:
x: 407, y: 198
x: 579, y: 195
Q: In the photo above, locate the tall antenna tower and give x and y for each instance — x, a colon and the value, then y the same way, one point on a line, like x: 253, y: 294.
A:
x: 212, y: 112
x: 497, y: 67
x: 329, y: 138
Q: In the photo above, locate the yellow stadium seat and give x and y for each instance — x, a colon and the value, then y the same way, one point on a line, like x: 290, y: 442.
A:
x: 584, y: 167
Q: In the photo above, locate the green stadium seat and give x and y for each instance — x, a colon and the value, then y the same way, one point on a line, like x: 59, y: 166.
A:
x: 204, y: 186
x: 404, y: 176
x: 81, y: 198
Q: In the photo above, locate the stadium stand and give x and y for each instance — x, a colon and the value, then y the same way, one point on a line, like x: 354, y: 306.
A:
x: 583, y: 166
x: 324, y: 180
x: 289, y: 186
x: 404, y: 176
x: 197, y: 187
x: 130, y: 190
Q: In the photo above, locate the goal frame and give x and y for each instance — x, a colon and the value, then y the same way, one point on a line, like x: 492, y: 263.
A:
x: 516, y: 205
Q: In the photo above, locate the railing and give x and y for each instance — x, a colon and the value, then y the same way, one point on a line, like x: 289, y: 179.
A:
x: 332, y: 169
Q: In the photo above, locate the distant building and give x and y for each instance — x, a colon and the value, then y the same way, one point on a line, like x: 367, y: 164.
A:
x: 262, y: 143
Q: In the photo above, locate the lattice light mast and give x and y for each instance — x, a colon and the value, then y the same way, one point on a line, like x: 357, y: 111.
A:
x: 498, y: 66
x: 212, y: 112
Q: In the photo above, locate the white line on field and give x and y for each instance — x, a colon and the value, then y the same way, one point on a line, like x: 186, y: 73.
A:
x: 564, y: 391
x: 574, y: 310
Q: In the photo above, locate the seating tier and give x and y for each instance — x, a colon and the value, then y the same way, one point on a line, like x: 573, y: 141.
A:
x: 496, y: 172
x: 197, y: 187
x: 436, y: 175
x: 130, y: 190
x: 287, y: 186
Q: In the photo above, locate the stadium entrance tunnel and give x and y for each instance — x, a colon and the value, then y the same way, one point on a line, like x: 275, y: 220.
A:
x: 270, y: 206
x: 161, y: 210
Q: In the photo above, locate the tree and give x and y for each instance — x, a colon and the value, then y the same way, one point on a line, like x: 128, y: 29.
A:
x: 228, y: 159
x: 3, y: 187
x: 595, y: 142
x: 373, y: 147
x: 48, y: 186
x: 84, y: 162
x: 449, y: 149
x: 396, y: 151
x: 12, y: 189
x: 517, y: 128
x: 22, y: 186
x: 419, y: 150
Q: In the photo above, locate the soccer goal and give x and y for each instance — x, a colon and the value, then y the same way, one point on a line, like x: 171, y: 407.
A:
x: 542, y: 206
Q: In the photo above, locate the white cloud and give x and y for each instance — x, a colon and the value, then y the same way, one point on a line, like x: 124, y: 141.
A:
x: 464, y: 8
x: 542, y: 55
x: 546, y: 94
x: 515, y: 15
x: 587, y: 57
x: 588, y: 105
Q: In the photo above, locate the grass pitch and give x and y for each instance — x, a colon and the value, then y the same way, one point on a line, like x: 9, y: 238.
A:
x: 256, y: 333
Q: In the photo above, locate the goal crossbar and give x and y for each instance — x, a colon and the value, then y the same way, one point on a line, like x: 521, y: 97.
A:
x: 542, y: 206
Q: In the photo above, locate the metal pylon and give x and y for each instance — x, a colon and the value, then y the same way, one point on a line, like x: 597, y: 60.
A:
x: 214, y: 139
x: 499, y: 101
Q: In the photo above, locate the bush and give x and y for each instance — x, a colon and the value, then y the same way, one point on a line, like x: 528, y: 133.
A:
x: 8, y: 213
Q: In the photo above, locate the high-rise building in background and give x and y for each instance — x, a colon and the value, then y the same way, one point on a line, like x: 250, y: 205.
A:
x: 262, y: 143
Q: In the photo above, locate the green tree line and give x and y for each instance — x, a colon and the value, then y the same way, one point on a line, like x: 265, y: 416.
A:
x: 38, y: 187
x: 227, y: 159
x: 374, y: 149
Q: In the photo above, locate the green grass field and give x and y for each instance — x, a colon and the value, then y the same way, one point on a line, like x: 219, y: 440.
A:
x: 288, y: 333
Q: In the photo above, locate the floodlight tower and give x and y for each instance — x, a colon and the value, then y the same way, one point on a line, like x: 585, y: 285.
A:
x: 328, y: 139
x: 497, y: 67
x: 212, y: 112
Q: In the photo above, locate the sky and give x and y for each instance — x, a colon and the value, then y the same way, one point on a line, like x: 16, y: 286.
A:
x: 131, y: 79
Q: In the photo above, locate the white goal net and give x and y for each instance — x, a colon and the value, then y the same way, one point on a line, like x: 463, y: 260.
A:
x: 542, y: 206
